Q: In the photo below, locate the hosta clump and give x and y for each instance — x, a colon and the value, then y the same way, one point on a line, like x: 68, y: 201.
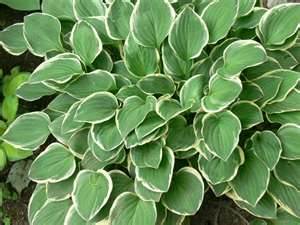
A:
x: 156, y: 102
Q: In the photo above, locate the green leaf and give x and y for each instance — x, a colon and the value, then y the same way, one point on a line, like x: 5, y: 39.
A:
x: 60, y: 68
x: 284, y: 58
x: 42, y: 33
x: 69, y: 124
x: 17, y: 133
x: 83, y: 9
x: 248, y: 186
x: 106, y: 135
x: 61, y: 190
x: 219, y: 17
x: 97, y: 108
x: 62, y: 9
x: 240, y: 55
x: 91, y: 187
x: 252, y: 19
x: 279, y: 23
x: 151, y: 22
x: 57, y: 211
x: 286, y: 196
x: 217, y: 171
x: 85, y: 42
x: 31, y: 92
x: 283, y: 174
x: 148, y: 155
x: 265, y: 208
x: 285, y: 117
x: 168, y: 108
x: 133, y: 113
x: 103, y: 62
x: 129, y: 209
x: 248, y: 113
x: 10, y: 107
x: 12, y: 40
x: 289, y: 137
x: 78, y: 142
x: 179, y: 69
x: 191, y: 92
x: 55, y: 128
x: 55, y: 164
x: 221, y: 133
x: 22, y: 5
x: 13, y: 154
x: 181, y: 136
x: 182, y: 198
x: 245, y: 7
x: 188, y: 35
x: 73, y: 217
x: 218, y: 49
x: 138, y: 59
x: 62, y: 103
x: 151, y: 123
x: 96, y: 81
x: 222, y: 92
x: 267, y: 147
x: 36, y: 202
x: 284, y: 217
x: 118, y: 19
x: 144, y: 193
x: 159, y: 179
x: 157, y: 84
x: 173, y: 218
x: 251, y: 92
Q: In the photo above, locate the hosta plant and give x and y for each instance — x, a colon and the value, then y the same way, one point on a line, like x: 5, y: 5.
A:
x: 9, y: 108
x: 156, y: 102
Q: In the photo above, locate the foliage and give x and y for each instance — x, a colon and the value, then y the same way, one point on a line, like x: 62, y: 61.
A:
x: 9, y: 109
x: 155, y: 103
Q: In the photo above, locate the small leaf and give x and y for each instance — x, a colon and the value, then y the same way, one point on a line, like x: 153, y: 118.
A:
x: 283, y: 174
x: 245, y: 7
x: 168, y: 108
x: 188, y: 35
x: 129, y: 209
x: 85, y: 42
x: 31, y: 92
x: 61, y: 190
x: 151, y: 22
x: 36, y: 202
x: 97, y: 108
x: 289, y: 137
x: 17, y: 133
x: 144, y: 193
x: 22, y: 5
x: 91, y: 192
x: 283, y: 217
x: 182, y: 197
x: 221, y: 133
x: 42, y: 33
x: 62, y: 9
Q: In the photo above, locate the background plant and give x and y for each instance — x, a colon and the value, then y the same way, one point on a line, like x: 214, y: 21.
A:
x: 157, y: 102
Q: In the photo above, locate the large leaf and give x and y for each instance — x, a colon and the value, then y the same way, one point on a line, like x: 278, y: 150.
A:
x: 289, y: 137
x: 186, y: 193
x: 219, y: 16
x: 217, y: 171
x: 129, y: 209
x: 221, y: 133
x: 97, y: 108
x: 140, y: 60
x: 22, y: 5
x: 222, y: 92
x: 151, y: 22
x: 158, y: 179
x: 240, y: 55
x: 57, y: 211
x: 21, y: 136
x: 279, y: 24
x: 118, y: 18
x: 91, y: 192
x: 85, y: 42
x: 188, y: 35
x: 250, y: 187
x: 42, y: 33
x: 55, y: 164
x: 12, y: 40
x: 60, y: 68
x: 267, y: 146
